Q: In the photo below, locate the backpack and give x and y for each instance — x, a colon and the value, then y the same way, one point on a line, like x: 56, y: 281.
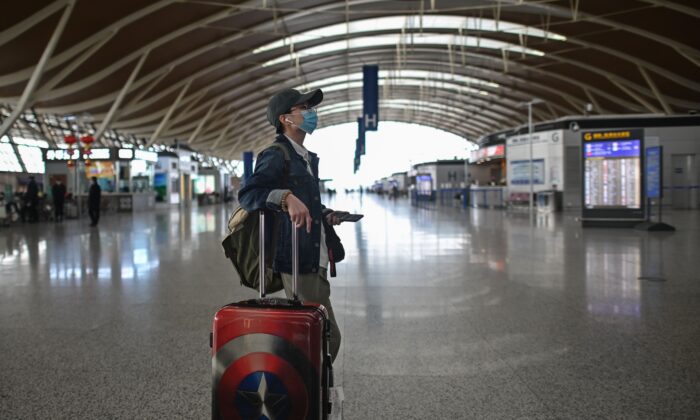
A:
x: 242, y: 244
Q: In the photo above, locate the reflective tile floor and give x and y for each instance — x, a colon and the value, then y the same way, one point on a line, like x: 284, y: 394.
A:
x: 445, y: 314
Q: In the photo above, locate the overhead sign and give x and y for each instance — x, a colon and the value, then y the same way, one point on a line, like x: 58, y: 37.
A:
x: 77, y: 154
x: 370, y: 97
x: 488, y: 153
x: 551, y: 137
x: 127, y: 154
x: 61, y: 154
x: 653, y: 165
x: 146, y: 155
x: 98, y: 154
x: 608, y: 135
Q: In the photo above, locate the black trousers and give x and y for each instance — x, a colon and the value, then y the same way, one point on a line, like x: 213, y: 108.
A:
x: 58, y: 210
x: 94, y: 213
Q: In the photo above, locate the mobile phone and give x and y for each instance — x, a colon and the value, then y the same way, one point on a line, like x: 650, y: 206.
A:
x: 350, y: 217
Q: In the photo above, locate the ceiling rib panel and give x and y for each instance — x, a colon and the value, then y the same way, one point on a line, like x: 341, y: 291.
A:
x: 220, y: 60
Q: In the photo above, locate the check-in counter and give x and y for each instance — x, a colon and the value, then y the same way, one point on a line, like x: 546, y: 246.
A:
x: 129, y: 202
x: 123, y: 202
x: 487, y: 196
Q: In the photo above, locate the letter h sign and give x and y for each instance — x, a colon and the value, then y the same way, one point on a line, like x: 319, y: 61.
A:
x: 370, y: 97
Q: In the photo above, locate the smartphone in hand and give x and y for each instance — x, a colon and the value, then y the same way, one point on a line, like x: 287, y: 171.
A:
x: 350, y: 217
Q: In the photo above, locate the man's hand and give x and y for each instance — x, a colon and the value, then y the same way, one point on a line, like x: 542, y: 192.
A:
x: 298, y: 212
x: 333, y: 218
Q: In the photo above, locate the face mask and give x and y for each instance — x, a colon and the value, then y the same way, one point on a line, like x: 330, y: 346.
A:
x: 310, y: 121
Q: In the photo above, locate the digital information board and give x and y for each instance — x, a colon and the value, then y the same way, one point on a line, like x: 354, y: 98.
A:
x: 653, y: 171
x: 613, y: 179
x: 424, y: 184
x: 520, y: 172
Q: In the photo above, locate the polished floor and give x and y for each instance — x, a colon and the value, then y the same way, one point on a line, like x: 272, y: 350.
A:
x: 445, y: 314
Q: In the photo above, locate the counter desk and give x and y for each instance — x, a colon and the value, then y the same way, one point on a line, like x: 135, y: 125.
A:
x: 487, y: 196
x: 123, y: 202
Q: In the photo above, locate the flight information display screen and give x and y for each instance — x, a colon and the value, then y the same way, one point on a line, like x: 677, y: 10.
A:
x: 613, y: 174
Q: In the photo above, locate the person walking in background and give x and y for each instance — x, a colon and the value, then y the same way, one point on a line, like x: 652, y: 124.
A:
x: 58, y: 191
x: 94, y: 199
x: 31, y: 199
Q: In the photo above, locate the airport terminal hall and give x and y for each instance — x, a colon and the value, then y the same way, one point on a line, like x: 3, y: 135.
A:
x: 349, y: 209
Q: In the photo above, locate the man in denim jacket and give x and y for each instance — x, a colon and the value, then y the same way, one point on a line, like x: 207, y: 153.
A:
x: 293, y: 116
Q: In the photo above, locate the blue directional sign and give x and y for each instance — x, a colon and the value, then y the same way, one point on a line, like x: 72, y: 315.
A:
x: 653, y: 172
x: 370, y: 97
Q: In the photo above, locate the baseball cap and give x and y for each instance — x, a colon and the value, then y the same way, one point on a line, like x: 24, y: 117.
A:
x: 282, y: 101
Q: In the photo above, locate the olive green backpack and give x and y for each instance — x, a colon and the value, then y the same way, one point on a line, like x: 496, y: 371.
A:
x: 242, y: 244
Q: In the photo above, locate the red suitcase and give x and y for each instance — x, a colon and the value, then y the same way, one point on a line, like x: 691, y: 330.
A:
x: 270, y: 356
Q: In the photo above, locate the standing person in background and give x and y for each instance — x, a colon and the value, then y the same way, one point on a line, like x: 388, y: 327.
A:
x: 94, y: 199
x: 31, y: 199
x: 58, y: 191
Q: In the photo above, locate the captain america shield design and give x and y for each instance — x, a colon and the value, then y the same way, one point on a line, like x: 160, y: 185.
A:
x: 262, y: 395
x: 262, y: 385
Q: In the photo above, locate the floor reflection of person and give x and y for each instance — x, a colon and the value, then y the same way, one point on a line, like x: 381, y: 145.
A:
x: 94, y: 198
x: 58, y: 192
x: 95, y: 252
x: 31, y: 200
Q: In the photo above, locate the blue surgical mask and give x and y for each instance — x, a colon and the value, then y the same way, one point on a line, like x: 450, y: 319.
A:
x: 310, y: 121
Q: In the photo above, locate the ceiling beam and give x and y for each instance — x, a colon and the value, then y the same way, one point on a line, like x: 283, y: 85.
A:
x: 166, y: 118
x: 64, y: 56
x: 23, y: 26
x: 117, y: 102
x: 690, y: 11
x: 27, y: 95
x: 659, y: 97
x: 634, y: 95
x: 203, y: 121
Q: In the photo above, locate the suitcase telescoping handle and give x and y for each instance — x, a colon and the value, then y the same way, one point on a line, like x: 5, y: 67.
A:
x: 295, y: 258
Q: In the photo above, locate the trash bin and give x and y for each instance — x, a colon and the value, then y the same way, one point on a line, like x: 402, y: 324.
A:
x: 548, y: 201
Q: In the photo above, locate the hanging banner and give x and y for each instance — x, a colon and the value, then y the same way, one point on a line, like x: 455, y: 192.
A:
x: 370, y: 97
x: 358, y: 148
x: 360, y: 136
x: 359, y: 144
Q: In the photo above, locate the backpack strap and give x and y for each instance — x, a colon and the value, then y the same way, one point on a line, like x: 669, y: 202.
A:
x: 287, y: 160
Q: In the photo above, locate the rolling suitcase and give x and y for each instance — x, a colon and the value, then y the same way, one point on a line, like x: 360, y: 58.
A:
x: 270, y: 356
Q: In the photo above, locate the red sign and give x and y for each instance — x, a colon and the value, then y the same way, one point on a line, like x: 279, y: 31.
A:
x: 492, y: 152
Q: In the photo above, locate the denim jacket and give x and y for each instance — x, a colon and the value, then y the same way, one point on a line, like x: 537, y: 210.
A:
x: 264, y: 190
